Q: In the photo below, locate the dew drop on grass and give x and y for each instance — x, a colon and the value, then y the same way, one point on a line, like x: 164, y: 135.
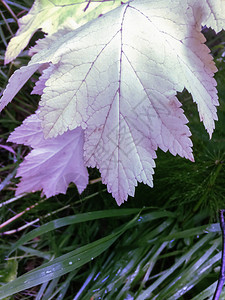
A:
x: 48, y: 272
x: 185, y: 289
x: 78, y: 259
x: 70, y: 263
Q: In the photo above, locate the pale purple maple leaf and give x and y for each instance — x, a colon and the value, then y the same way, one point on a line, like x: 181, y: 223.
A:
x: 53, y: 163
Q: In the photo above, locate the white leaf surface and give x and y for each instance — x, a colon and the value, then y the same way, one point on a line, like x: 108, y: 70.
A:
x: 162, y: 48
x: 117, y: 77
x: 212, y: 13
x: 53, y: 15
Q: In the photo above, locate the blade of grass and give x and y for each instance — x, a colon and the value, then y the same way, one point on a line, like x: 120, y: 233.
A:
x: 63, y: 264
x: 190, y: 275
x: 85, y: 284
x: 146, y: 293
x: 194, y: 231
x: 58, y: 223
x: 35, y: 252
x: 49, y: 291
x: 64, y: 287
x: 207, y: 293
x: 121, y: 272
x: 41, y: 291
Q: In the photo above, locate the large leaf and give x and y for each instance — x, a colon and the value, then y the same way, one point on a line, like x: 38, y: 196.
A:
x: 117, y: 78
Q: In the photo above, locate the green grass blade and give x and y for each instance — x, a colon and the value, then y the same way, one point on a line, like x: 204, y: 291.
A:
x: 63, y: 264
x: 194, y: 231
x: 41, y: 291
x: 208, y: 293
x: 146, y: 293
x: 35, y: 252
x: 58, y: 223
x: 191, y: 276
x: 75, y: 219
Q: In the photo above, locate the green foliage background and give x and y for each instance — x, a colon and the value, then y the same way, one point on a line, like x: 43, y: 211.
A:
x: 163, y: 244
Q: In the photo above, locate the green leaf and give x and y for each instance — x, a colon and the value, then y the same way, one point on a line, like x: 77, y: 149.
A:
x: 9, y: 271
